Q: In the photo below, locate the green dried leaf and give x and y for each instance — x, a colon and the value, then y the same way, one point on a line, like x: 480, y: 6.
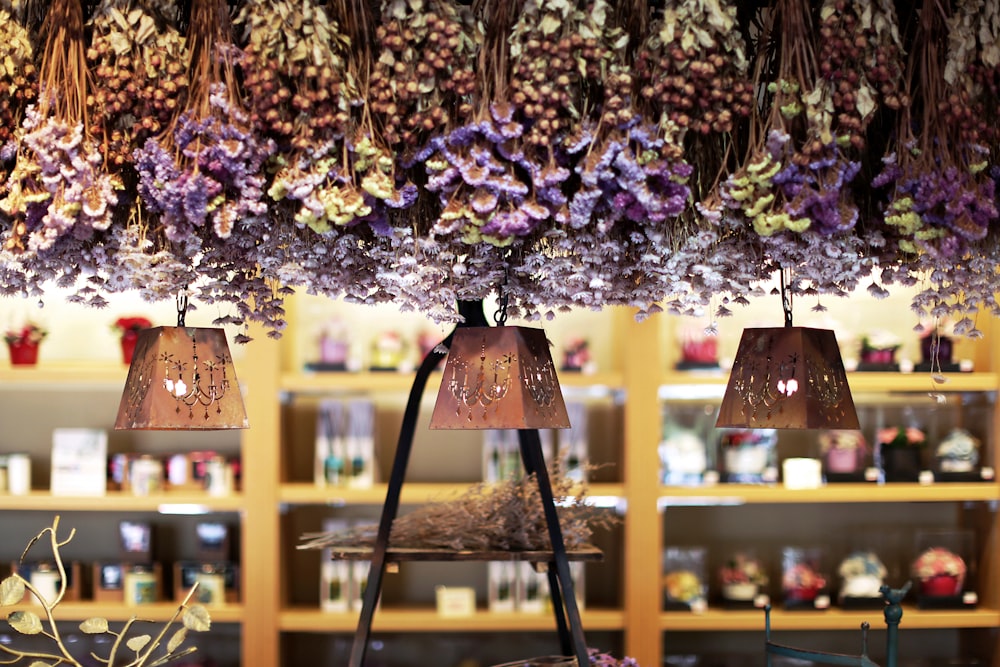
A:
x: 11, y: 591
x: 39, y: 663
x: 176, y: 640
x: 25, y: 622
x: 138, y: 643
x: 196, y: 618
x: 94, y: 626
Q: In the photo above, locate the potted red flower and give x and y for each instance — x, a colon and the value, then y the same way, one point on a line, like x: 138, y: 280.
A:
x: 128, y: 329
x: 23, y: 344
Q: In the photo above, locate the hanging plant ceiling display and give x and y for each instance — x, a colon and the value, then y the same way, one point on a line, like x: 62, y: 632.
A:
x: 661, y: 155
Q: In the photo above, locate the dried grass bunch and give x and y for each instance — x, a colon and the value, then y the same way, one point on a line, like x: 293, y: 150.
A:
x: 504, y: 516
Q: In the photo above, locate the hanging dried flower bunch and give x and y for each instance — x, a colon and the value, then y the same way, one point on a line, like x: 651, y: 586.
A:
x: 58, y: 195
x: 139, y: 64
x: 18, y: 86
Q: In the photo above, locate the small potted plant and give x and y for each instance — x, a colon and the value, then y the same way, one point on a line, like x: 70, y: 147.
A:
x: 23, y: 343
x: 742, y: 578
x: 899, y: 452
x: 940, y: 572
x: 128, y: 329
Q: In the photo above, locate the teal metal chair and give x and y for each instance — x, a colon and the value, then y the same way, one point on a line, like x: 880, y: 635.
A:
x: 893, y: 613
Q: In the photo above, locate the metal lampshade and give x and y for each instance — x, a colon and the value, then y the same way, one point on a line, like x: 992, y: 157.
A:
x: 181, y: 378
x: 788, y: 377
x: 499, y: 378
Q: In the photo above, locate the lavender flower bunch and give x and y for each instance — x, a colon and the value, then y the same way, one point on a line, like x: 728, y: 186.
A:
x: 216, y: 181
x: 482, y: 194
x: 633, y: 179
x: 58, y: 188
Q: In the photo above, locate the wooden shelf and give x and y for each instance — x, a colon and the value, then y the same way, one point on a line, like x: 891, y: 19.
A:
x: 404, y: 554
x: 175, y: 502
x: 426, y: 619
x: 117, y: 611
x: 738, y: 494
x: 304, y: 493
x: 60, y: 375
x: 716, y: 620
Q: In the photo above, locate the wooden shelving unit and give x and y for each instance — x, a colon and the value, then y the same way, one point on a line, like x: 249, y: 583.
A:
x: 632, y: 376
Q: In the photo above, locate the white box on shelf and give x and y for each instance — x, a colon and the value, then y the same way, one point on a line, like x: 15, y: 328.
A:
x: 455, y: 601
x: 79, y: 462
x: 532, y: 589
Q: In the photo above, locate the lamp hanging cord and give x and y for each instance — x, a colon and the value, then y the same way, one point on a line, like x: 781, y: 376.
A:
x: 500, y: 316
x: 786, y: 295
x: 182, y: 306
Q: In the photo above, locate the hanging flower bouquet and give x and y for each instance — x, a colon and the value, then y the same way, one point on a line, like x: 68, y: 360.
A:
x: 18, y: 87
x: 940, y: 203
x: 58, y: 197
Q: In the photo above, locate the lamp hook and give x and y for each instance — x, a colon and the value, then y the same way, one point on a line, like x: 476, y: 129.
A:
x: 786, y: 295
x: 182, y: 305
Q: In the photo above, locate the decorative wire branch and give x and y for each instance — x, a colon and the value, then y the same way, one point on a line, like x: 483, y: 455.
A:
x: 195, y: 618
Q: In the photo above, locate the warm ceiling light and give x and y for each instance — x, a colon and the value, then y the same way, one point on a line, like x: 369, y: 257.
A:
x: 181, y: 378
x: 788, y: 377
x: 499, y: 378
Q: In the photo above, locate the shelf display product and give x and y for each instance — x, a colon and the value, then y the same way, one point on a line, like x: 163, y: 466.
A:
x: 743, y: 580
x: 803, y: 581
x: 684, y: 578
x: 749, y: 456
x: 944, y: 569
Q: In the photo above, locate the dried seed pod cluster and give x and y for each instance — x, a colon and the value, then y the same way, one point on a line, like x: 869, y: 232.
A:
x: 18, y: 76
x: 138, y: 62
x: 692, y: 67
x: 555, y: 51
x: 295, y: 71
x: 423, y: 74
x: 972, y: 70
x: 860, y: 56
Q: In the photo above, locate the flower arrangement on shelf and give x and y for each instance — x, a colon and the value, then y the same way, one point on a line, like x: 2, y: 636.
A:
x: 901, y: 437
x: 742, y: 577
x: 28, y: 334
x: 842, y: 450
x: 862, y: 574
x: 802, y: 581
x: 941, y: 572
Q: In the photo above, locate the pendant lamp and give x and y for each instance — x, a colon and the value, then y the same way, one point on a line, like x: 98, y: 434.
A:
x: 499, y: 377
x: 788, y: 377
x: 181, y: 378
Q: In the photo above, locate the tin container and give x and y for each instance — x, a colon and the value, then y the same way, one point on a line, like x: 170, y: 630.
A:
x: 19, y: 474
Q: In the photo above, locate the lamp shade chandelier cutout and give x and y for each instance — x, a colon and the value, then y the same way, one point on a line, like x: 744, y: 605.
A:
x: 499, y: 377
x: 181, y: 378
x: 788, y: 377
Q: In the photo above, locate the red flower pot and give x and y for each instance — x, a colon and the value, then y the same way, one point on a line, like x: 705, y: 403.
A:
x: 23, y: 354
x: 941, y: 586
x: 128, y: 341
